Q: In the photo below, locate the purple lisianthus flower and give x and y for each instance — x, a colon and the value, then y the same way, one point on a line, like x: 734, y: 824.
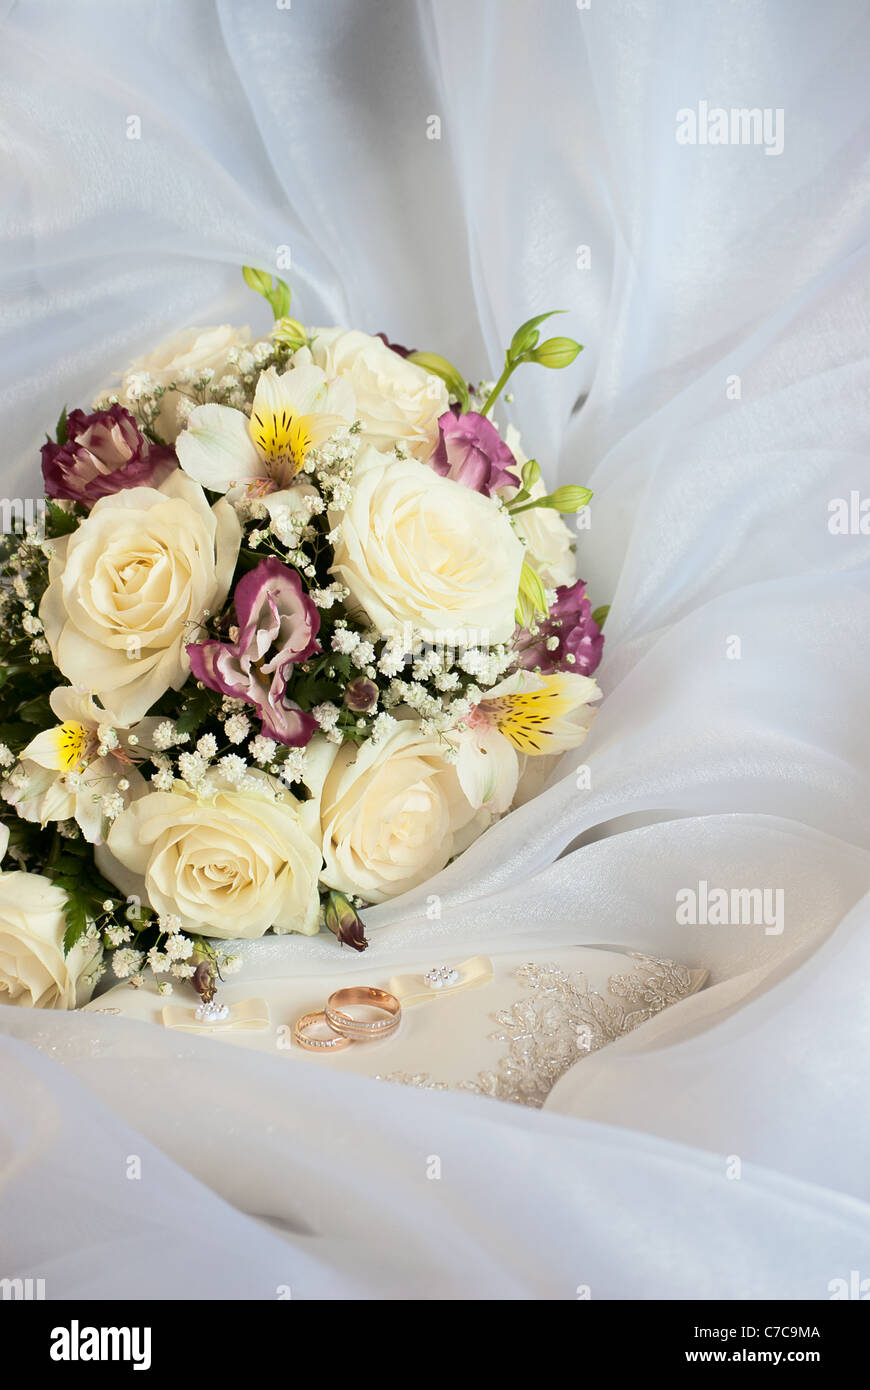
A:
x: 278, y: 626
x: 572, y: 631
x: 104, y: 453
x: 471, y: 451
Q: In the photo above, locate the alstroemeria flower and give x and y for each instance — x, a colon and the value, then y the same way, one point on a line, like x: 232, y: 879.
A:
x: 291, y: 414
x: 525, y: 713
x: 104, y: 452
x: 472, y: 452
x: 278, y: 626
x: 63, y: 776
x: 567, y: 632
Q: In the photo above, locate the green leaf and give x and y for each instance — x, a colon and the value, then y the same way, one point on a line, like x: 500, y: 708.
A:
x: 439, y: 366
x: 60, y: 432
x: 195, y: 712
x: 280, y: 299
x: 526, y: 337
x: 60, y: 521
x: 556, y: 352
x: 531, y: 598
x: 260, y: 281
x: 38, y: 711
x: 600, y: 614
x: 257, y: 280
x: 75, y: 914
x: 8, y: 673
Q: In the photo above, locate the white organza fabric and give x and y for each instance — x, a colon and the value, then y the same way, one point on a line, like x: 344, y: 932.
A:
x: 725, y: 1157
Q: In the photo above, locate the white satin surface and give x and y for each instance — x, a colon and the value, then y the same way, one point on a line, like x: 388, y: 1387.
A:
x: 306, y: 128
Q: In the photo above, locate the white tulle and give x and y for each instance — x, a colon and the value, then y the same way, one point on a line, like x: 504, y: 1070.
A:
x: 307, y: 128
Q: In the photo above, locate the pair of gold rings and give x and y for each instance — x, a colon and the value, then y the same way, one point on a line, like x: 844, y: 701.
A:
x: 344, y: 1028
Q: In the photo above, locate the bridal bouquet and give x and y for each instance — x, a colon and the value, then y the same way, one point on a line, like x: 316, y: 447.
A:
x: 278, y: 644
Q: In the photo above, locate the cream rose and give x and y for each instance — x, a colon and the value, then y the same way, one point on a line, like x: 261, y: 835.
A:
x: 33, y: 969
x: 391, y: 813
x: 396, y: 401
x: 182, y: 358
x: 228, y: 861
x: 423, y: 550
x: 127, y: 587
x: 548, y: 538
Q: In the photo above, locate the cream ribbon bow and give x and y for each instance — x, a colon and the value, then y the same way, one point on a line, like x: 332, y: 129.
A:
x: 249, y: 1015
x: 414, y: 989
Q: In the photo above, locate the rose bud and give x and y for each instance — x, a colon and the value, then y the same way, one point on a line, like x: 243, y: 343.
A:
x: 361, y: 695
x: 204, y: 980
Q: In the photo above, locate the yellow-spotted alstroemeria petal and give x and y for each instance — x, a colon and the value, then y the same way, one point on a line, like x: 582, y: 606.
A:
x: 216, y: 449
x: 64, y: 748
x: 295, y: 412
x: 537, y: 721
x: 283, y: 437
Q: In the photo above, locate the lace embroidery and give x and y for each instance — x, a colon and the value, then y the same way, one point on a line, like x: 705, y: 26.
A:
x: 561, y: 1020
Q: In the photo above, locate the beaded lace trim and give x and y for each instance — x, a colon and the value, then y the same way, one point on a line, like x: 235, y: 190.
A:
x: 561, y: 1020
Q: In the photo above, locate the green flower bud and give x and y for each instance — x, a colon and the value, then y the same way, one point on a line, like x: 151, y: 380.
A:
x: 344, y: 921
x: 531, y: 474
x: 556, y: 352
x: 526, y: 337
x: 290, y: 333
x: 568, y: 499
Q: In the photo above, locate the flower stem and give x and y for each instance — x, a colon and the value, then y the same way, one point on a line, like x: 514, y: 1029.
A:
x: 515, y: 511
x: 499, y: 386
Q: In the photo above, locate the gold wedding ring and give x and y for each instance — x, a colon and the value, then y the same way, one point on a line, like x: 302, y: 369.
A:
x: 313, y: 1044
x: 356, y: 1029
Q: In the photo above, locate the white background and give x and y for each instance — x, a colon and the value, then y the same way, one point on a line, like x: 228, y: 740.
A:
x: 307, y: 127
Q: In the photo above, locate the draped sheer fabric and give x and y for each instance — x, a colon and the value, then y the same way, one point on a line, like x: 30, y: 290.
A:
x: 557, y: 182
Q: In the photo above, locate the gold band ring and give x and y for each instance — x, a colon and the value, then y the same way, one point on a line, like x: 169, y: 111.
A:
x: 363, y: 1029
x: 312, y: 1044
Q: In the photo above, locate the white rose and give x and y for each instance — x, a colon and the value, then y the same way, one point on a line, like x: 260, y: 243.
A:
x: 229, y: 862
x: 33, y: 969
x: 127, y: 588
x: 548, y: 538
x: 423, y: 550
x: 397, y: 402
x: 391, y: 813
x: 185, y: 356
